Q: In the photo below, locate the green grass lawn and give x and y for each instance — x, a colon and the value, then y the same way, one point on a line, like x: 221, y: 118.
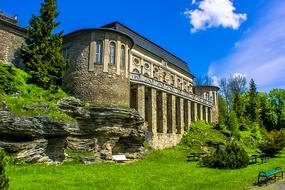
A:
x: 167, y: 169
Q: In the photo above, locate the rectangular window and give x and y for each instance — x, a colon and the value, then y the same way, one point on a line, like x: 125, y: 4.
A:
x: 99, y: 52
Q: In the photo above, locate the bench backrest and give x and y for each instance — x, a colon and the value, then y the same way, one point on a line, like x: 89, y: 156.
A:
x: 119, y: 157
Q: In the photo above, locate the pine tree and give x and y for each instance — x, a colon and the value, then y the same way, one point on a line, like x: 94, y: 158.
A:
x: 238, y: 105
x: 41, y: 50
x: 252, y: 107
x: 4, y: 181
x: 233, y: 122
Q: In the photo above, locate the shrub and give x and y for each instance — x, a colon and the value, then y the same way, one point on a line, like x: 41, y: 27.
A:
x: 232, y: 156
x: 4, y: 181
x: 8, y: 79
x: 274, y: 142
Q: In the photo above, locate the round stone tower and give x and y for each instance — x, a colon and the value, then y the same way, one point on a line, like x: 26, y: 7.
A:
x: 98, y: 64
x: 210, y: 93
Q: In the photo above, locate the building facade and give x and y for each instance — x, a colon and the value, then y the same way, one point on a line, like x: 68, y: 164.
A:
x: 11, y: 38
x: 115, y: 66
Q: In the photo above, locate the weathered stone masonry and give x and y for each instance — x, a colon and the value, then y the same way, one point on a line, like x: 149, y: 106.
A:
x: 11, y: 39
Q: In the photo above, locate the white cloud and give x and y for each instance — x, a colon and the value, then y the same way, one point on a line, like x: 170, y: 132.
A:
x: 259, y: 54
x: 214, y: 13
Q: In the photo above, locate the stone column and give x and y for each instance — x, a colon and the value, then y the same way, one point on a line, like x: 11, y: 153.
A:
x: 131, y: 63
x: 188, y: 114
x: 164, y: 112
x: 141, y: 100
x: 180, y: 116
x: 106, y: 54
x: 118, y: 55
x: 206, y: 112
x: 201, y: 112
x: 127, y: 62
x: 175, y: 81
x: 210, y: 115
x: 151, y: 70
x: 92, y: 53
x: 152, y: 123
x: 195, y: 112
x: 173, y: 112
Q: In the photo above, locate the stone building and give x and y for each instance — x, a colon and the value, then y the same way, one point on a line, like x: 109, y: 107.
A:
x: 115, y: 66
x: 11, y: 38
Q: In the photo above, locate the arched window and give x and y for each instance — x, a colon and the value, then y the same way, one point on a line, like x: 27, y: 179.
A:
x: 99, y: 52
x: 123, y: 56
x: 136, y: 71
x: 112, y: 53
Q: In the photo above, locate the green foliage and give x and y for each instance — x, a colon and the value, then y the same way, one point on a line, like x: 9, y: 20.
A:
x: 30, y: 97
x: 8, y: 79
x: 77, y: 156
x: 274, y: 142
x: 233, y: 157
x: 222, y: 112
x: 252, y: 106
x: 201, y: 134
x: 4, y: 181
x: 233, y: 123
x: 268, y: 115
x: 41, y: 50
x: 277, y: 99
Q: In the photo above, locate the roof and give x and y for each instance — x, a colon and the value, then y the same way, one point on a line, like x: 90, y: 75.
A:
x: 10, y: 24
x: 96, y: 29
x: 149, y: 46
x: 208, y: 86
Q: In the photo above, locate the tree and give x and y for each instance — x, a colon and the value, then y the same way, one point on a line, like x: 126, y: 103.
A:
x: 204, y: 81
x: 267, y: 113
x: 41, y: 50
x: 225, y: 92
x: 222, y: 112
x: 277, y: 99
x: 252, y: 106
x: 233, y: 122
x: 238, y: 105
x: 228, y: 87
x: 237, y: 84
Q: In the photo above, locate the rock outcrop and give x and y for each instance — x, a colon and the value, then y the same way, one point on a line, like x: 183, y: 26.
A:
x: 103, y: 131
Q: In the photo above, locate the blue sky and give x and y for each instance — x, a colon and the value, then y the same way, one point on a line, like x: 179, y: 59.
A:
x: 216, y: 37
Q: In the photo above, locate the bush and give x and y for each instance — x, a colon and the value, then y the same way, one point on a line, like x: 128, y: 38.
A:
x: 4, y: 181
x: 232, y: 156
x: 274, y: 142
x: 8, y: 79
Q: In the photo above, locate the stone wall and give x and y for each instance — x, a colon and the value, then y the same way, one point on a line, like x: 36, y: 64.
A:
x: 11, y: 41
x: 102, y: 84
x: 163, y: 140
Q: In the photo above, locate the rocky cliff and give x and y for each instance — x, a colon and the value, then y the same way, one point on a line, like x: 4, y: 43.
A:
x: 102, y: 131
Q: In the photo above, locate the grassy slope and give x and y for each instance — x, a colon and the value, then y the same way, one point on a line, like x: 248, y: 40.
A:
x: 167, y: 169
x: 30, y: 95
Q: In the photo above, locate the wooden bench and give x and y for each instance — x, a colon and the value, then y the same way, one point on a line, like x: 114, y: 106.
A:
x: 119, y: 158
x: 194, y: 155
x: 253, y: 159
x: 270, y: 174
x: 264, y: 158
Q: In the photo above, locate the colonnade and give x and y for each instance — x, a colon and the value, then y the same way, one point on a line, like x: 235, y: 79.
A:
x: 165, y: 112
